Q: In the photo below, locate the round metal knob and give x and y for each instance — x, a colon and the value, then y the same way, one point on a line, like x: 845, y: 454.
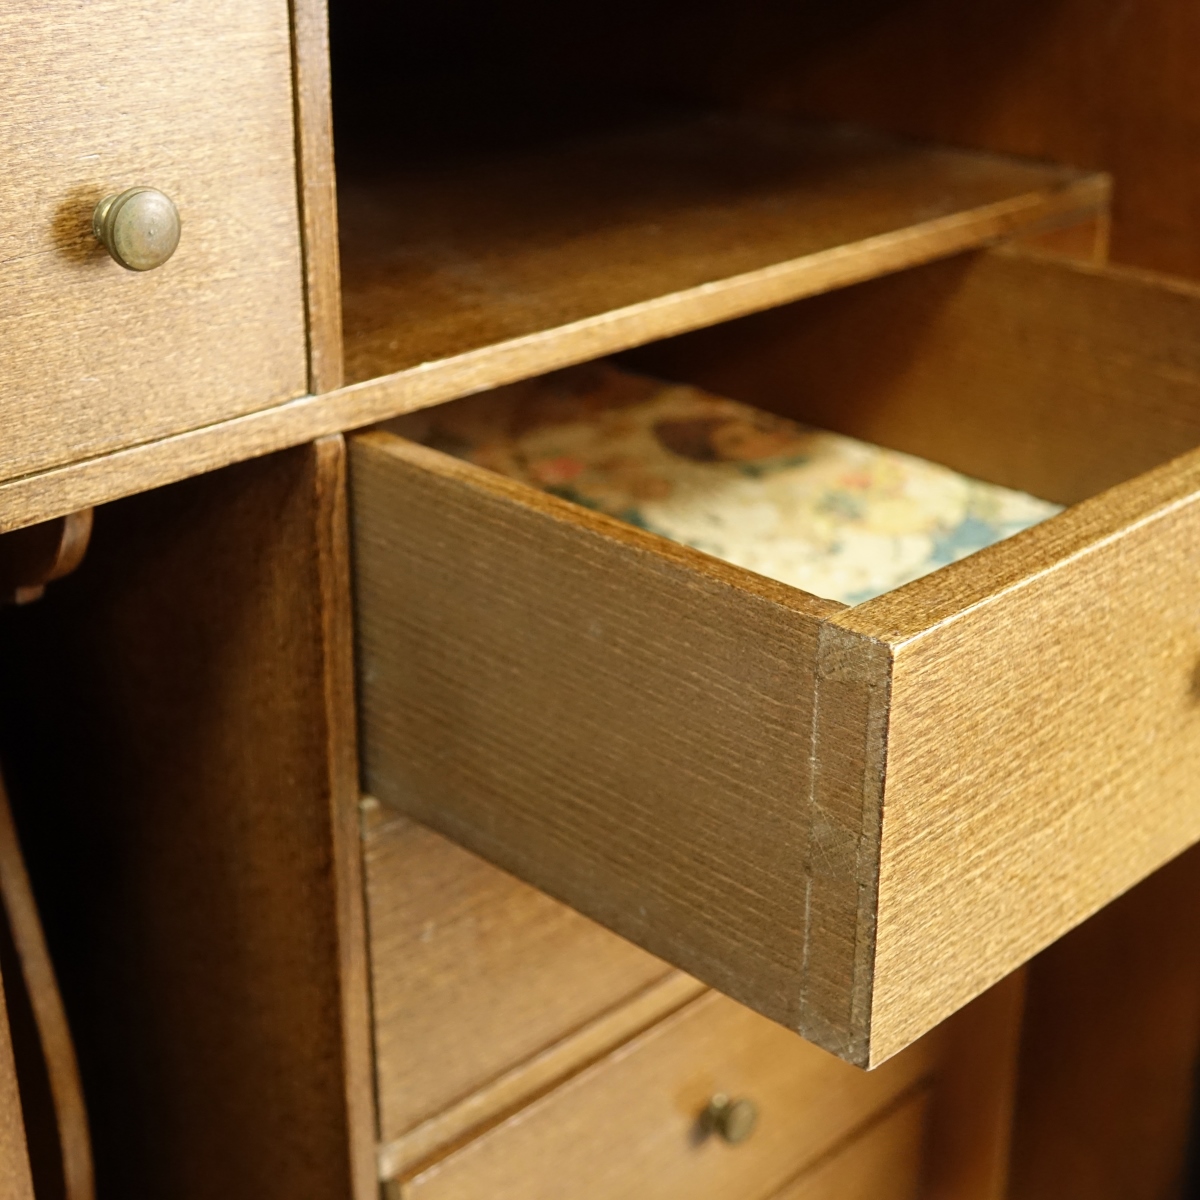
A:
x: 138, y: 227
x: 734, y: 1120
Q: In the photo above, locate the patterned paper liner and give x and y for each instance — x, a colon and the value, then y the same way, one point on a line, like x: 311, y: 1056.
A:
x: 834, y: 516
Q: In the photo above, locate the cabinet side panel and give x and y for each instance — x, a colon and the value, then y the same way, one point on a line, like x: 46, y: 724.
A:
x: 176, y: 719
x: 1056, y: 378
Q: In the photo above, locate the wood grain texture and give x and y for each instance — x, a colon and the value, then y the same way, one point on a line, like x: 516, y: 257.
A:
x: 474, y: 972
x: 970, y: 801
x: 15, y: 1177
x: 56, y: 1121
x: 623, y: 722
x: 177, y: 735
x: 1041, y: 744
x: 616, y: 240
x: 1057, y: 378
x: 317, y: 192
x: 882, y: 1162
x: 630, y: 1124
x: 504, y: 1095
x: 194, y: 99
x: 1111, y: 1045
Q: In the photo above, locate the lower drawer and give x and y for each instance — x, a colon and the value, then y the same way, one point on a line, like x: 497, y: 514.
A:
x: 633, y: 1124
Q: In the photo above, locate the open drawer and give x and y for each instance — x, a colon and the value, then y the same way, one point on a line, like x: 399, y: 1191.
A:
x: 852, y: 819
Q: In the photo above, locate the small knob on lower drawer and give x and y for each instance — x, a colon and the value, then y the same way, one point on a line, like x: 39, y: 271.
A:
x: 733, y: 1119
x: 138, y: 227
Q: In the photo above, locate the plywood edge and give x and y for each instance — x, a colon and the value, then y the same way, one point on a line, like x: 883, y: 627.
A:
x: 317, y: 193
x: 333, y: 581
x: 849, y: 764
x: 378, y: 446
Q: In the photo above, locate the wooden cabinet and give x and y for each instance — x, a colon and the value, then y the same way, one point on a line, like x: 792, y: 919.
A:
x: 518, y: 1046
x: 602, y: 772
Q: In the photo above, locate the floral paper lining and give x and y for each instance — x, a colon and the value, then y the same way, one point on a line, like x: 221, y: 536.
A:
x: 834, y: 516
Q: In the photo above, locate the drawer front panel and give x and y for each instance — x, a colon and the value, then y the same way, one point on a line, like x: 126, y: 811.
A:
x: 631, y: 1125
x: 474, y: 972
x: 192, y: 99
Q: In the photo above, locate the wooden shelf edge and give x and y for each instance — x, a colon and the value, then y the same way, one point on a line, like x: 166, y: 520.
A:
x: 317, y: 192
x: 59, y: 490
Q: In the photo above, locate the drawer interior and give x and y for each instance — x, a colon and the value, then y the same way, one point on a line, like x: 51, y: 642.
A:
x: 830, y: 515
x: 1057, y: 378
x: 699, y: 756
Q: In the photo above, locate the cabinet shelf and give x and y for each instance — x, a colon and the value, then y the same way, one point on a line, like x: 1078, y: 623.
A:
x: 535, y: 260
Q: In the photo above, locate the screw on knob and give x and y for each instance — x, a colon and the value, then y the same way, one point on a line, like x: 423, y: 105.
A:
x: 733, y: 1119
x: 138, y: 227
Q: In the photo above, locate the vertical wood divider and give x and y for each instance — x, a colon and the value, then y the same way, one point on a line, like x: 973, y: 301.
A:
x: 318, y: 193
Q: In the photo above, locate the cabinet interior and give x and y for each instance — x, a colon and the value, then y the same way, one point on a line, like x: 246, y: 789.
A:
x: 567, y: 184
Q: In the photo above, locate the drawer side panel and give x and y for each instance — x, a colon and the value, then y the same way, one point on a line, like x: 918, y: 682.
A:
x: 583, y: 705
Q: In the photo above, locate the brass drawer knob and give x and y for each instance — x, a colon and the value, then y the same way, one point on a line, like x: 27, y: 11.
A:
x: 138, y: 227
x: 733, y: 1119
